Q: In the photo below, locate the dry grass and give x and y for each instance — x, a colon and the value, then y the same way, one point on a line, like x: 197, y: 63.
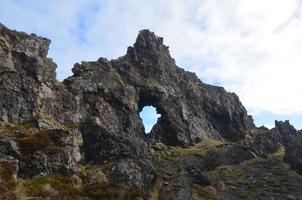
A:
x: 46, y: 186
x: 204, y: 193
x: 39, y: 141
x: 11, y: 129
x: 257, y: 178
x: 5, y: 45
x: 154, y: 193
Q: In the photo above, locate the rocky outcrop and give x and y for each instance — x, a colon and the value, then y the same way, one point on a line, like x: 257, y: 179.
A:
x: 293, y: 154
x: 263, y: 142
x: 117, y: 89
x: 28, y: 86
x: 147, y: 75
x: 9, y: 159
x: 292, y: 140
x: 41, y: 152
x: 49, y: 152
x: 87, y: 131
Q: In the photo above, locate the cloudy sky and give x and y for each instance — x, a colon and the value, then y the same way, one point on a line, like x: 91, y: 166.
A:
x: 251, y: 47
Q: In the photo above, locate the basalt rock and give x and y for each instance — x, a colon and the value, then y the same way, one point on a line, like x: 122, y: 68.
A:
x: 116, y: 91
x: 292, y: 140
x: 263, y: 142
x: 28, y: 85
x: 91, y: 121
x: 49, y: 152
x: 41, y: 152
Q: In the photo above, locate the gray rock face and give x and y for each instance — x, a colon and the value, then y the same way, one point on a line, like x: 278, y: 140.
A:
x: 263, y: 141
x: 292, y: 140
x: 147, y: 75
x: 28, y: 85
x: 49, y: 152
x: 9, y: 155
x: 42, y: 153
x: 137, y: 173
x: 227, y: 155
x: 92, y: 119
x: 116, y: 92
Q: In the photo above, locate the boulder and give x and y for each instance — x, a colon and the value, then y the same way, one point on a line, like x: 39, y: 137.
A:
x: 49, y: 152
x: 292, y: 140
x: 263, y: 141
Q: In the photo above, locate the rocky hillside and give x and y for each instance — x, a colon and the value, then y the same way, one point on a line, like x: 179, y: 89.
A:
x: 83, y: 138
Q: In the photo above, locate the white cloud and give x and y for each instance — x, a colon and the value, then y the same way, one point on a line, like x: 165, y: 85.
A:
x: 259, y: 58
x: 251, y: 47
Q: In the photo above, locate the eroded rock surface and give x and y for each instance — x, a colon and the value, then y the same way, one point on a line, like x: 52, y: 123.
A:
x: 83, y: 138
x: 147, y: 75
x: 292, y: 140
x: 28, y: 85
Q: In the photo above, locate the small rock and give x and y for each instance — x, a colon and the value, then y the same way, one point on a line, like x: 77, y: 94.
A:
x: 233, y: 187
x: 291, y: 197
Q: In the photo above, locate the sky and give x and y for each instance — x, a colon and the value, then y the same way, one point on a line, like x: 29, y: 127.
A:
x: 250, y: 47
x: 149, y: 117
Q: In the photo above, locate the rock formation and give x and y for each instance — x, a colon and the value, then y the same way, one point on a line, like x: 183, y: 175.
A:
x: 86, y: 131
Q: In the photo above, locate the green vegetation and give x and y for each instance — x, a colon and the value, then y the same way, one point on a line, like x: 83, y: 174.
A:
x: 67, y: 188
x: 109, y: 192
x: 257, y: 179
x: 39, y: 141
x: 254, y: 179
x: 154, y: 193
x: 204, y: 193
x: 10, y: 129
x: 45, y: 186
x: 6, y: 171
x: 165, y: 157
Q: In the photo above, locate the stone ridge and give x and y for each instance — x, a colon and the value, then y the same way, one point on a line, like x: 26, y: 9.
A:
x: 147, y: 75
x: 91, y: 122
x: 28, y: 84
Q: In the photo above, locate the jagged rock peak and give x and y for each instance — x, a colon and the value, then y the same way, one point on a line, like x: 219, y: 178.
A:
x: 116, y: 91
x: 32, y: 45
x: 28, y: 85
x: 149, y: 41
x: 150, y: 46
x: 88, y: 128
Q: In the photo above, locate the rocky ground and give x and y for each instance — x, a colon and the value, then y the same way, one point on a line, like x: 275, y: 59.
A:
x: 83, y: 138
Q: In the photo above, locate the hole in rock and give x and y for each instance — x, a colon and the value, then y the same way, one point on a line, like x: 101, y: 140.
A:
x: 149, y: 116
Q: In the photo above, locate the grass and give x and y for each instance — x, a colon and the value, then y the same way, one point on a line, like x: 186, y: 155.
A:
x: 109, y: 191
x: 166, y: 156
x: 163, y: 155
x: 64, y: 187
x: 96, y: 185
x: 154, y: 192
x: 67, y: 188
x: 44, y: 186
x: 162, y: 152
x: 11, y: 129
x: 5, y: 45
x: 256, y: 179
x: 204, y: 193
x: 6, y: 172
x: 39, y: 141
x: 199, y: 149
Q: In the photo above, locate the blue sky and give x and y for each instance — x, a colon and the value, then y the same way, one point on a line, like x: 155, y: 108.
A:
x: 243, y: 45
x: 149, y: 117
